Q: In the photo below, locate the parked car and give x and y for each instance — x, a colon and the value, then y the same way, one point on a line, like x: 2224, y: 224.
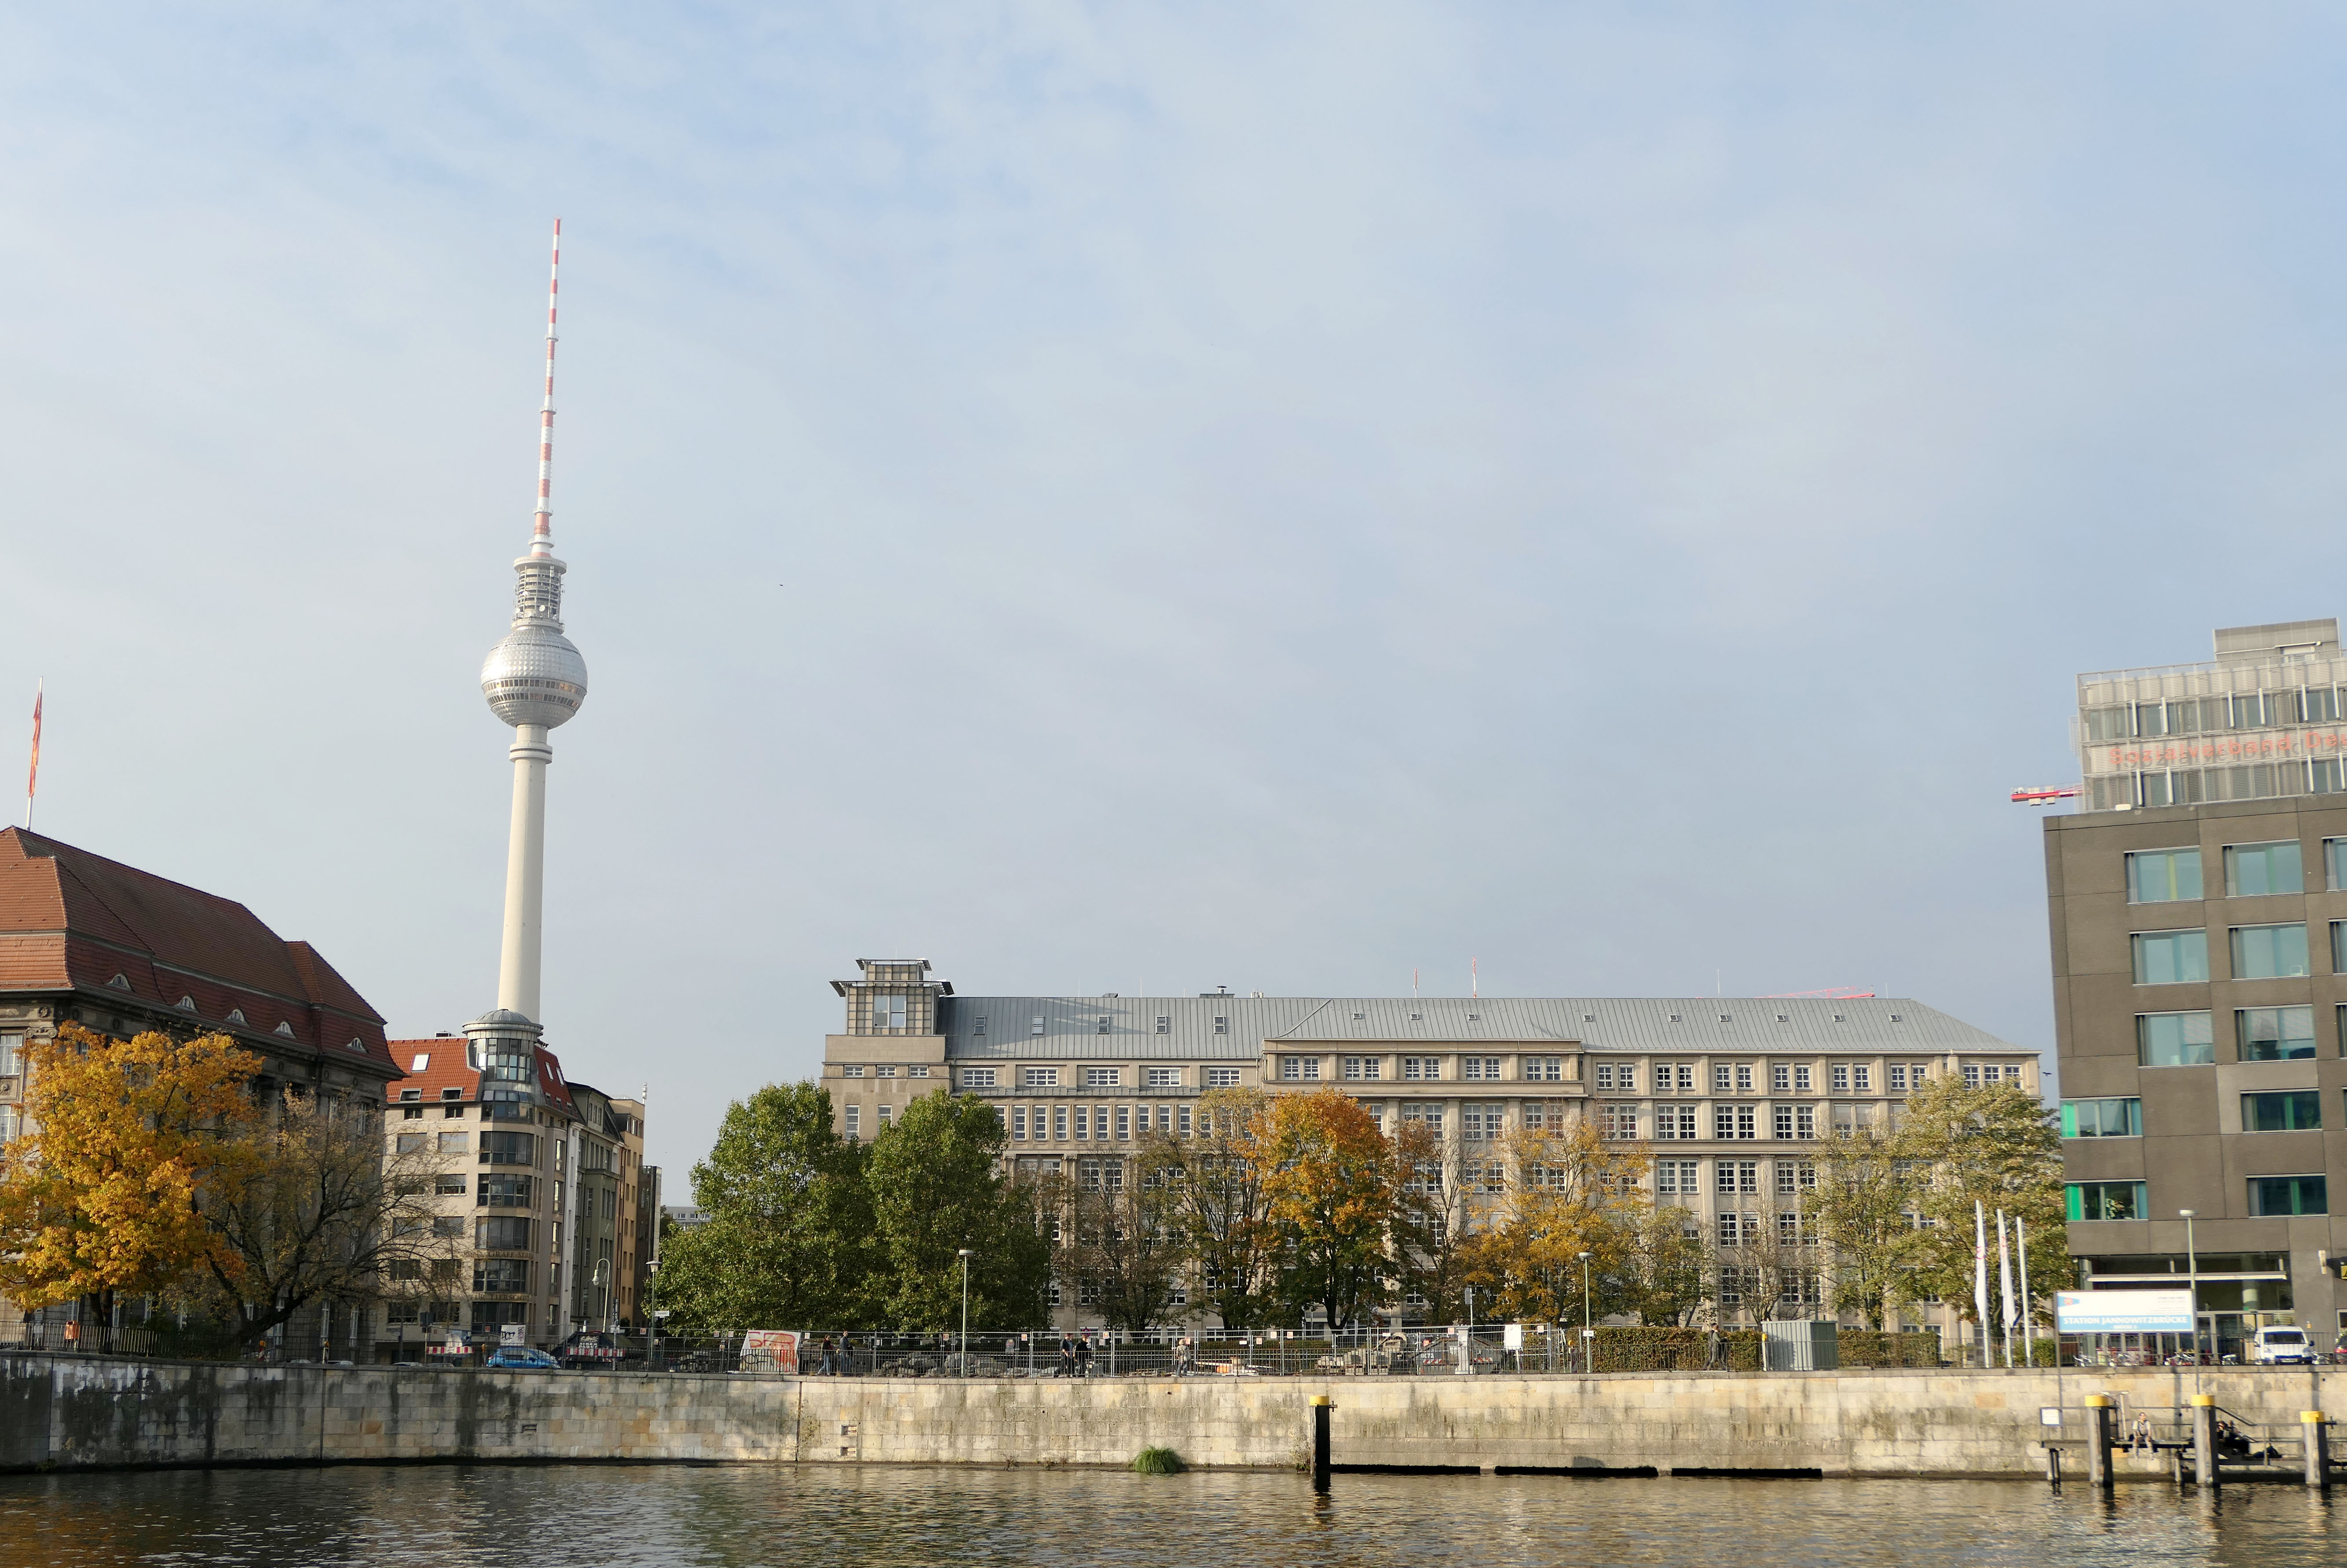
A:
x: 2279, y: 1346
x: 521, y: 1359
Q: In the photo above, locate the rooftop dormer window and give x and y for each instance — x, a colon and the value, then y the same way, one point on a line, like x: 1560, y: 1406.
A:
x: 186, y: 1004
x: 236, y: 1015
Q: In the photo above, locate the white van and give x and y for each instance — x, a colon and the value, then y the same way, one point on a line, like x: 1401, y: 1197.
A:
x: 2280, y: 1345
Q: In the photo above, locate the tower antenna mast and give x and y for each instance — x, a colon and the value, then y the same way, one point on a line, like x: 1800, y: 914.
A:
x: 541, y: 539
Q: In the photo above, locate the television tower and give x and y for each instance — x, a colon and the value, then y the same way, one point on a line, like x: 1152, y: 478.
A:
x: 534, y: 680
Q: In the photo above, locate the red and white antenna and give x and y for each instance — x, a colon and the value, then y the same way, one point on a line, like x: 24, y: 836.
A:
x: 2045, y: 796
x: 541, y: 541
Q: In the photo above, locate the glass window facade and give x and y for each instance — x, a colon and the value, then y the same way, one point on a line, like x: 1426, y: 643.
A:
x: 2102, y: 1118
x: 2170, y: 957
x: 2163, y: 876
x: 2174, y: 1040
x: 2282, y: 1111
x: 2269, y: 952
x: 2254, y: 870
x: 2276, y: 1034
x: 2108, y: 1200
x: 2288, y: 1196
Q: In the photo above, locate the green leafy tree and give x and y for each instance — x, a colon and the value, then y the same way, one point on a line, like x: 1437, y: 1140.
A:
x: 1431, y: 1222
x: 937, y: 1187
x: 1668, y: 1278
x: 788, y: 1242
x: 1856, y: 1214
x: 2000, y: 1146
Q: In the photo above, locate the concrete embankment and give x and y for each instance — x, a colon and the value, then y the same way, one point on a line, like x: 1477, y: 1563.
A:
x: 68, y: 1413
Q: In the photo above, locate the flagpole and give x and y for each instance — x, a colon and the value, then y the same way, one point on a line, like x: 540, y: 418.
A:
x: 32, y: 774
x: 1980, y: 1276
x: 2004, y: 1286
x: 2028, y: 1308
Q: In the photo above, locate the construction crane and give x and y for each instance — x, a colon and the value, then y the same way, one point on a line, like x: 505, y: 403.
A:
x: 2045, y: 796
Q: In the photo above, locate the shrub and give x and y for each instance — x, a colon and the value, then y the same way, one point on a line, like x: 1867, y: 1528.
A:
x: 1157, y: 1462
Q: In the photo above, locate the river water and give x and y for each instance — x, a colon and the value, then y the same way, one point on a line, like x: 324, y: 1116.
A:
x: 746, y: 1516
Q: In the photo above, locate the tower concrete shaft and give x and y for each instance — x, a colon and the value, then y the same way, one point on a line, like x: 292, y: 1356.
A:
x: 517, y: 959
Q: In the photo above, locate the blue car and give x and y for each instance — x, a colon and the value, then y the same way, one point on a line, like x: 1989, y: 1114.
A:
x: 521, y: 1359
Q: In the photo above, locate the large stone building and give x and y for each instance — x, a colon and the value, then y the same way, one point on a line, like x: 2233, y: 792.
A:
x: 2199, y: 911
x: 92, y: 941
x: 1725, y: 1091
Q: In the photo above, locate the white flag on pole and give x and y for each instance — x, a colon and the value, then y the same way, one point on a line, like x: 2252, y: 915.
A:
x: 1979, y: 1273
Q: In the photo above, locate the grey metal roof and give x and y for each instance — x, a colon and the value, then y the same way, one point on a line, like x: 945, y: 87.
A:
x: 1072, y: 1025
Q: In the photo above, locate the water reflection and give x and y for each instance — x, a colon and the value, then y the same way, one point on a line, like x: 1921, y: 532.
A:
x: 752, y: 1517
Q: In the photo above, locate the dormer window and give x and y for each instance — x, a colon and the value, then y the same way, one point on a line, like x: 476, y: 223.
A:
x: 1103, y: 1028
x: 236, y: 1015
x: 411, y: 1094
x: 356, y: 1045
x: 120, y: 982
x: 186, y: 1004
x: 452, y: 1094
x: 286, y: 1029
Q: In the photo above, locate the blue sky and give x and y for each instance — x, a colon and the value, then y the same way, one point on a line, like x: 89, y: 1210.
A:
x: 1115, y: 498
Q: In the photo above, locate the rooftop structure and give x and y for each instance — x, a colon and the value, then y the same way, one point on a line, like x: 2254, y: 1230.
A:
x: 2259, y: 721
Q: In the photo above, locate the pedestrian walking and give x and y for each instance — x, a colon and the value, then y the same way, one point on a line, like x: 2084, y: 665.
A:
x: 1084, y: 1357
x: 1067, y: 1356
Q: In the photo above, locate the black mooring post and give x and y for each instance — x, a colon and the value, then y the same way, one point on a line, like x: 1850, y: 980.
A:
x: 1320, y: 1442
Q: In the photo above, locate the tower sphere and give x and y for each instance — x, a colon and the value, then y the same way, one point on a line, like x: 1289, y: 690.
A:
x: 535, y: 676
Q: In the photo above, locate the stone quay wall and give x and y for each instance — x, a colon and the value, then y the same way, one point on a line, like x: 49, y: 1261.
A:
x: 73, y: 1412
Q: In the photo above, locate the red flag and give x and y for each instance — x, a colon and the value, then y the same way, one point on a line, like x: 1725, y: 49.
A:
x: 34, y: 777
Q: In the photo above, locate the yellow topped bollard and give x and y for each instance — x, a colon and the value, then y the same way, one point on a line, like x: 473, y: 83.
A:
x: 1320, y: 1406
x: 2204, y: 1441
x: 2310, y: 1424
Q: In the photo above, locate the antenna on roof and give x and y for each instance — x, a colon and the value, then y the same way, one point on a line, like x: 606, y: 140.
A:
x: 541, y: 537
x: 1474, y: 978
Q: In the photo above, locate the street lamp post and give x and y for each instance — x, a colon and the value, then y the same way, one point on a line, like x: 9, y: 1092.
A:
x: 965, y: 1312
x: 2192, y: 1273
x: 1588, y: 1331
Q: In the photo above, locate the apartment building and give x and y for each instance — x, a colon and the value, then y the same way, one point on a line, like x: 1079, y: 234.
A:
x: 2198, y: 903
x: 501, y: 1139
x: 1724, y: 1091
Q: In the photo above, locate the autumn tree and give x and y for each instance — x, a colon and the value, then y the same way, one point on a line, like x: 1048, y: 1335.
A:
x: 936, y: 1187
x: 99, y: 1196
x: 1328, y: 1183
x: 788, y: 1238
x: 1996, y: 1144
x: 1222, y: 1208
x: 151, y: 1169
x: 1568, y: 1192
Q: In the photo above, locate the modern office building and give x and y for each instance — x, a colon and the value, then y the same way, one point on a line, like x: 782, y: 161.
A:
x: 1725, y: 1090
x: 2199, y: 956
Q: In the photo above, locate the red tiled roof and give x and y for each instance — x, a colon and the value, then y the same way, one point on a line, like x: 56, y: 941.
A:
x: 448, y: 1065
x: 73, y: 920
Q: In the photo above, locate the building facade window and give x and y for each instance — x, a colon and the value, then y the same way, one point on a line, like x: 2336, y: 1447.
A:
x: 2255, y: 870
x: 977, y: 1077
x: 1040, y: 1077
x: 2170, y: 957
x: 1862, y: 1075
x: 1415, y: 1068
x: 1676, y: 1120
x: 1429, y: 1114
x: 1480, y: 1068
x: 1896, y: 1073
x: 2290, y: 1195
x: 2163, y: 876
x: 1480, y: 1122
x: 1723, y: 1078
x: 2275, y: 1034
x: 1618, y: 1121
x: 848, y: 1119
x: 1299, y: 1069
x: 1164, y: 1078
x: 1222, y: 1078
x: 1674, y: 1178
x: 2269, y: 952
x: 2174, y: 1040
x: 2108, y: 1200
x: 1060, y: 1123
x: 1544, y: 1068
x: 1363, y: 1069
x: 1103, y: 1077
x: 887, y: 1012
x: 851, y: 1070
x: 1019, y: 1123
x: 2282, y: 1111
x: 1804, y: 1120
x: 1681, y: 1073
x: 2117, y: 1118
